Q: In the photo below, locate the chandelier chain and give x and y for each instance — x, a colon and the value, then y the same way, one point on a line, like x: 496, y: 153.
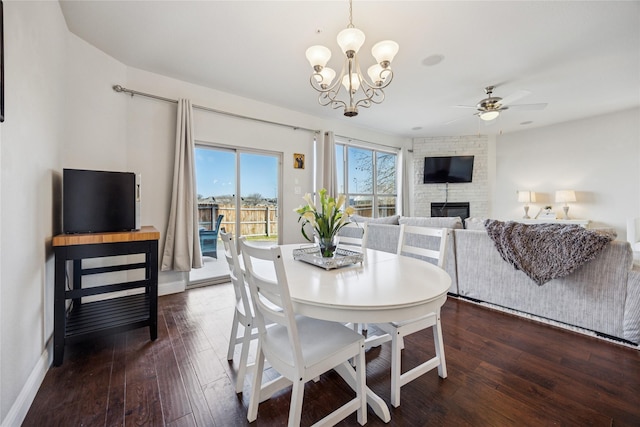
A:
x: 350, y: 15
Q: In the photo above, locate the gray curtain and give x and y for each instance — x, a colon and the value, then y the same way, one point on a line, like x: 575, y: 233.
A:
x: 329, y: 179
x: 182, y: 243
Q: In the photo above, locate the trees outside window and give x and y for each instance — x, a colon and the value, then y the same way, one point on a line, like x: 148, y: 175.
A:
x: 368, y: 177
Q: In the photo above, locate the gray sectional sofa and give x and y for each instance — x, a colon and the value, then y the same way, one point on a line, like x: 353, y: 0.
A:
x: 602, y: 296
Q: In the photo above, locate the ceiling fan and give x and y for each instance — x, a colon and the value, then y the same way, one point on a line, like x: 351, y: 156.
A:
x: 490, y: 107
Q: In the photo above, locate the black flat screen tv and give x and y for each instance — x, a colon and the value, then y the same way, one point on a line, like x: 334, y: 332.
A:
x: 98, y: 201
x: 448, y: 169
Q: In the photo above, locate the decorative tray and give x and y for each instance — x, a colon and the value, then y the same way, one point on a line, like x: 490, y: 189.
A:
x: 341, y: 257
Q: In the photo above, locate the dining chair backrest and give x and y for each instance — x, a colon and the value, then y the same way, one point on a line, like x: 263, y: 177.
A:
x: 423, y: 242
x: 353, y: 236
x: 235, y: 271
x: 269, y: 289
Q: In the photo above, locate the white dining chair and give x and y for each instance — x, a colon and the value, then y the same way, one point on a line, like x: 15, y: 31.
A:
x: 300, y: 348
x: 243, y: 315
x: 413, y: 242
x: 353, y: 237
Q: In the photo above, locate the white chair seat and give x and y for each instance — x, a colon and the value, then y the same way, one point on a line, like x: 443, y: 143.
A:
x: 335, y: 337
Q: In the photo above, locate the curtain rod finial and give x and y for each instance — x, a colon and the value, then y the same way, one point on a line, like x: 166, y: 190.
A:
x: 117, y: 88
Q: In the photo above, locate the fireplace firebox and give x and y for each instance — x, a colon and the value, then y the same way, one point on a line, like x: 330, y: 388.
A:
x: 460, y: 209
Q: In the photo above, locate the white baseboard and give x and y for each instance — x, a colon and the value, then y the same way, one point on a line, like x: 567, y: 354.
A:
x: 171, y: 288
x: 21, y: 406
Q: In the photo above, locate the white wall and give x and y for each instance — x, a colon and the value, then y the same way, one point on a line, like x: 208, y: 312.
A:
x: 598, y: 157
x: 35, y: 37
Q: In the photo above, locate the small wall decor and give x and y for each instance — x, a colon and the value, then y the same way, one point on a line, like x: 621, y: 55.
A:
x: 298, y: 161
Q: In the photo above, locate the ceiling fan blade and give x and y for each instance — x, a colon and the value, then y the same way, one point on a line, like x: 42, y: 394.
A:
x: 454, y: 120
x: 514, y: 97
x: 465, y: 106
x: 541, y: 106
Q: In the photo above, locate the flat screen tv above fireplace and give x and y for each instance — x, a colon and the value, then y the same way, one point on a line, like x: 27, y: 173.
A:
x: 448, y: 169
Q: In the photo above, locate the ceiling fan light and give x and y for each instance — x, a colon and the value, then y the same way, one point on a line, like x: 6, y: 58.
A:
x: 350, y: 39
x: 489, y: 115
x: 318, y: 56
x: 384, y: 52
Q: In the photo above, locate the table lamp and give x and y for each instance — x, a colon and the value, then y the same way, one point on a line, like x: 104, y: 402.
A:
x: 526, y: 197
x: 565, y: 196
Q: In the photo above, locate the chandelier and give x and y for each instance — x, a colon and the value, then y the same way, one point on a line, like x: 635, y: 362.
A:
x: 359, y: 91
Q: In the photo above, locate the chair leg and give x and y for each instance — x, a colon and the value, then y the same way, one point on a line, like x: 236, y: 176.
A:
x: 233, y: 337
x: 244, y: 356
x: 396, y: 357
x: 295, y: 410
x: 256, y: 386
x: 361, y: 386
x: 439, y: 345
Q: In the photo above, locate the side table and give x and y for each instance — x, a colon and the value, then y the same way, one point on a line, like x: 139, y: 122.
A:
x: 74, y: 319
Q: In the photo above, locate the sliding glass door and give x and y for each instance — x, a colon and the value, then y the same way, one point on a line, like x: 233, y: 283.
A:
x: 222, y: 174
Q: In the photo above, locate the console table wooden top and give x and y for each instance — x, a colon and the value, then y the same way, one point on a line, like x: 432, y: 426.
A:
x: 146, y: 232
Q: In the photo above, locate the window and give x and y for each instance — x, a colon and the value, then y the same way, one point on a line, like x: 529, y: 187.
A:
x: 368, y: 177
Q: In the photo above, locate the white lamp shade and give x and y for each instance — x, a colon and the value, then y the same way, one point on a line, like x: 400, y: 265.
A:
x: 526, y: 196
x: 318, y: 55
x: 374, y: 74
x: 489, y: 115
x: 325, y: 76
x: 350, y: 39
x: 565, y: 196
x: 385, y: 51
x: 355, y: 82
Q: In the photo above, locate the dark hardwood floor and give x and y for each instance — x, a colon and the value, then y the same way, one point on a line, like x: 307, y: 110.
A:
x: 503, y: 371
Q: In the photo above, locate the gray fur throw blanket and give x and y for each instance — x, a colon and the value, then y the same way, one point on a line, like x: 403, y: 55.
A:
x: 545, y: 251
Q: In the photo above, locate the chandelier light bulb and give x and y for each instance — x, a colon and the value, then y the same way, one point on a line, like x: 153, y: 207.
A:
x: 325, y: 77
x: 355, y: 82
x: 376, y: 75
x: 350, y: 39
x: 318, y: 56
x: 384, y: 52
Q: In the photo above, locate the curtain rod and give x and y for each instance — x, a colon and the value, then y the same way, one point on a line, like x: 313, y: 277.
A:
x: 350, y: 139
x: 132, y: 92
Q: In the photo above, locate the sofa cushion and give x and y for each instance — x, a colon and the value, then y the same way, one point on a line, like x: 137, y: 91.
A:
x: 474, y: 223
x: 437, y: 222
x: 393, y: 219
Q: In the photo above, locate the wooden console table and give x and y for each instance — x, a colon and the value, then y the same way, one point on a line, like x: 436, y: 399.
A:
x: 118, y: 314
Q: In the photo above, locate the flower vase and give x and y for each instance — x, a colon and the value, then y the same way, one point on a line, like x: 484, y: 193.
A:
x: 327, y: 245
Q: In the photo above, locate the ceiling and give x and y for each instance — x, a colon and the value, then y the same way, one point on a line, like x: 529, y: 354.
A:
x: 581, y: 58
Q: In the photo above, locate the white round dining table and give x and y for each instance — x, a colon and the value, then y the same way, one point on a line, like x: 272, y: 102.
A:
x: 384, y: 288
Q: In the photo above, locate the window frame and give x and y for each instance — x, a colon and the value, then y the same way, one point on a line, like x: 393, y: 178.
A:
x: 344, y: 145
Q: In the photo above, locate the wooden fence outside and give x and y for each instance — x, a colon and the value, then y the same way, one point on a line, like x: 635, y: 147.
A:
x: 254, y: 220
